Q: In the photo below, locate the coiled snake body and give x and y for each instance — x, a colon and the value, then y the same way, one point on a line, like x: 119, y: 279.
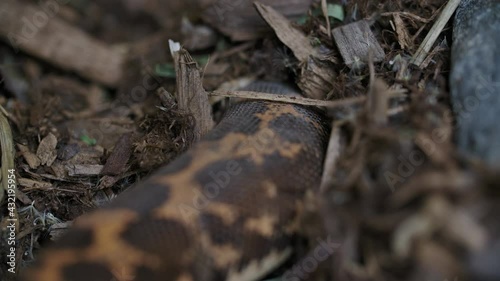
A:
x: 225, y: 210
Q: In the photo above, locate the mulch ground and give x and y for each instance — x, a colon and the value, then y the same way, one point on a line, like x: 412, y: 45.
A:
x: 399, y: 200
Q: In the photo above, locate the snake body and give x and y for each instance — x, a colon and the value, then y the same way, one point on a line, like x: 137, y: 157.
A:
x: 227, y: 209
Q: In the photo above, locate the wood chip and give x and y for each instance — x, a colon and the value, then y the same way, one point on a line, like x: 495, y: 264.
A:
x: 355, y: 41
x: 32, y: 160
x: 191, y: 97
x: 34, y: 184
x: 58, y: 170
x: 316, y: 75
x: 84, y: 170
x: 316, y: 78
x: 46, y: 151
x: 107, y: 181
x: 39, y: 32
x: 404, y: 39
x: 117, y: 161
x: 290, y: 36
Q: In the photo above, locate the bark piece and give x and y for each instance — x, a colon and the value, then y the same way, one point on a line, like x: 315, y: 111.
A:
x: 118, y: 159
x: 34, y: 184
x: 402, y: 32
x: 32, y: 160
x: 46, y: 150
x: 355, y: 41
x: 83, y: 170
x: 316, y: 78
x: 37, y: 31
x: 191, y: 97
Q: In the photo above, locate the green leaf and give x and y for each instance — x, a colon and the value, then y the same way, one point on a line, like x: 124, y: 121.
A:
x: 335, y: 11
x: 88, y: 140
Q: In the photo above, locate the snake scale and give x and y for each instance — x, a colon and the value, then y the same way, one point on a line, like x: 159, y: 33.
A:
x: 227, y: 209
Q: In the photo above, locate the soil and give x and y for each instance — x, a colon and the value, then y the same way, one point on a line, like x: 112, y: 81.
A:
x: 401, y: 202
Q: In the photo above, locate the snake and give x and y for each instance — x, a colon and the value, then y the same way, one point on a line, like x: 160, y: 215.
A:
x: 227, y: 209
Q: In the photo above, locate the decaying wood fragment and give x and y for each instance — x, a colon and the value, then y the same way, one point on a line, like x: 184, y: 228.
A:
x: 355, y: 42
x: 433, y: 34
x: 331, y: 104
x: 117, y: 161
x: 34, y: 184
x: 83, y: 169
x: 402, y: 32
x: 191, y: 97
x: 46, y: 150
x: 32, y: 160
x: 38, y: 31
x: 290, y: 36
x: 316, y: 76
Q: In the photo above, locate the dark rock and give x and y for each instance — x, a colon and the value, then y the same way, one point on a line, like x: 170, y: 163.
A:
x: 475, y: 79
x: 484, y: 265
